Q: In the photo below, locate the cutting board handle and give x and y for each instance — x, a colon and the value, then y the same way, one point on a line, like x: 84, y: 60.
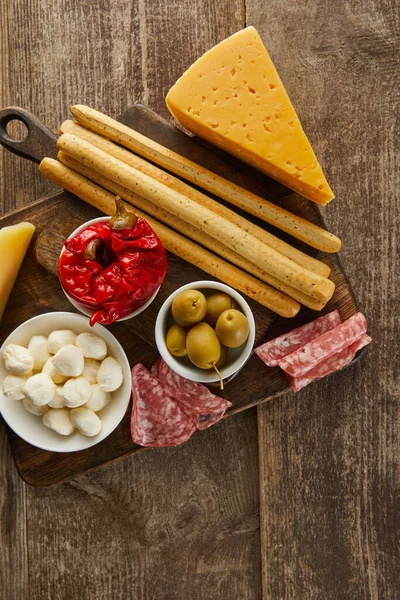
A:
x: 39, y: 142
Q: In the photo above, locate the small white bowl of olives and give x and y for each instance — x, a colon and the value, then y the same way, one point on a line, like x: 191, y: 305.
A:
x: 205, y: 331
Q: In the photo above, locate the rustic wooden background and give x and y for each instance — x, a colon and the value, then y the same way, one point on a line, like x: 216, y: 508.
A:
x: 303, y: 502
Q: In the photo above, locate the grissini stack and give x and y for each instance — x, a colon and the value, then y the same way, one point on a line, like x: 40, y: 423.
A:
x: 172, y: 241
x: 282, y: 219
x: 151, y: 170
x: 249, y: 247
x: 188, y: 230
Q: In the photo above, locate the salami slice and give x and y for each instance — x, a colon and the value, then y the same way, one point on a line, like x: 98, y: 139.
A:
x: 330, y: 365
x: 195, y: 399
x: 285, y: 344
x: 155, y: 369
x: 157, y: 420
x: 299, y: 362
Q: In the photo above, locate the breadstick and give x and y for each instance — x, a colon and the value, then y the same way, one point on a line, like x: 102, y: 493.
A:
x: 308, y: 262
x: 230, y: 235
x: 282, y: 219
x: 172, y: 241
x: 188, y: 230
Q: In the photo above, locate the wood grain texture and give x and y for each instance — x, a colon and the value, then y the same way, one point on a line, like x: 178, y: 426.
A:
x: 198, y: 523
x: 329, y: 455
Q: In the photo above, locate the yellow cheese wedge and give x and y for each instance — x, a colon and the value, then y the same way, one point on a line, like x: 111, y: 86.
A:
x: 14, y: 242
x: 233, y: 97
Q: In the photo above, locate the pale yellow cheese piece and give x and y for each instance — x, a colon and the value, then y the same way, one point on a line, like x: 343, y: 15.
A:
x: 233, y: 97
x: 14, y: 242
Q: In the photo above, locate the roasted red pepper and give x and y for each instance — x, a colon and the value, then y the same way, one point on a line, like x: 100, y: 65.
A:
x: 113, y: 267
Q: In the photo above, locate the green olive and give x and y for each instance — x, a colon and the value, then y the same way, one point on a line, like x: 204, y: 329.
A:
x: 202, y: 346
x: 176, y: 340
x: 216, y: 304
x: 189, y: 307
x: 222, y: 359
x: 232, y: 328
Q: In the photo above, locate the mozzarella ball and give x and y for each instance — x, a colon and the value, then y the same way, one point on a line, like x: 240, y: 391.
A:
x: 91, y: 369
x: 69, y: 361
x: 13, y: 387
x: 98, y: 399
x: 50, y: 369
x: 86, y: 421
x: 76, y: 392
x: 40, y: 389
x: 59, y: 420
x: 110, y: 375
x: 17, y: 359
x: 33, y: 408
x: 58, y: 400
x: 60, y: 338
x: 92, y: 346
x: 38, y: 348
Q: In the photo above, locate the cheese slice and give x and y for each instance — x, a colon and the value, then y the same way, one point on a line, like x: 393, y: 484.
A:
x: 233, y: 97
x: 14, y: 242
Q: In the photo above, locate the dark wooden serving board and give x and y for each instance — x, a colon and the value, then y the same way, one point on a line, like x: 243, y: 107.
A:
x: 37, y: 290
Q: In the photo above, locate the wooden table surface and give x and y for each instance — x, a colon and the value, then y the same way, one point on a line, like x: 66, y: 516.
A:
x: 302, y: 500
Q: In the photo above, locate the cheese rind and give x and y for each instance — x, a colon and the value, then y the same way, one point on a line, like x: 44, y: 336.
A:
x: 14, y: 242
x: 233, y: 97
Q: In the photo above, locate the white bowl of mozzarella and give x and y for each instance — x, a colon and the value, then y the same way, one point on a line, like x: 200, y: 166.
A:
x: 64, y: 385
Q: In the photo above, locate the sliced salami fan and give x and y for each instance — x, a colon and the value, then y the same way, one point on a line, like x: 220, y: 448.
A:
x: 285, y: 344
x: 330, y: 365
x: 195, y: 399
x: 157, y: 420
x: 299, y: 362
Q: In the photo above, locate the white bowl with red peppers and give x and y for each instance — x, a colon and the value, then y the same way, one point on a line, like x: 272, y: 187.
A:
x: 64, y: 385
x: 104, y: 271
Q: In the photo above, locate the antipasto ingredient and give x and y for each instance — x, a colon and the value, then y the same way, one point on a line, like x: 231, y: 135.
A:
x: 14, y: 242
x: 177, y: 244
x: 299, y: 362
x: 189, y: 307
x: 232, y: 328
x: 113, y: 267
x: 39, y: 351
x: 91, y: 369
x: 329, y: 365
x: 40, y: 389
x: 195, y: 399
x: 86, y: 421
x: 233, y: 97
x: 59, y: 420
x: 110, y: 376
x: 176, y: 340
x: 34, y: 409
x: 17, y: 359
x: 216, y: 304
x: 300, y: 228
x: 76, y: 392
x: 92, y: 346
x: 13, y: 387
x: 203, y: 346
x: 308, y: 262
x: 69, y: 361
x: 285, y: 344
x: 50, y: 369
x: 60, y: 338
x: 231, y: 235
x: 98, y: 398
x: 157, y: 419
x: 58, y: 400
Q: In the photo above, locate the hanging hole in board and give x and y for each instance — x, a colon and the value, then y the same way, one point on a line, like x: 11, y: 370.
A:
x: 17, y: 130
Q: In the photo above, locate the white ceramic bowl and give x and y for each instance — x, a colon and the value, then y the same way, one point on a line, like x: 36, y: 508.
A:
x: 30, y: 427
x: 237, y: 356
x: 85, y: 309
